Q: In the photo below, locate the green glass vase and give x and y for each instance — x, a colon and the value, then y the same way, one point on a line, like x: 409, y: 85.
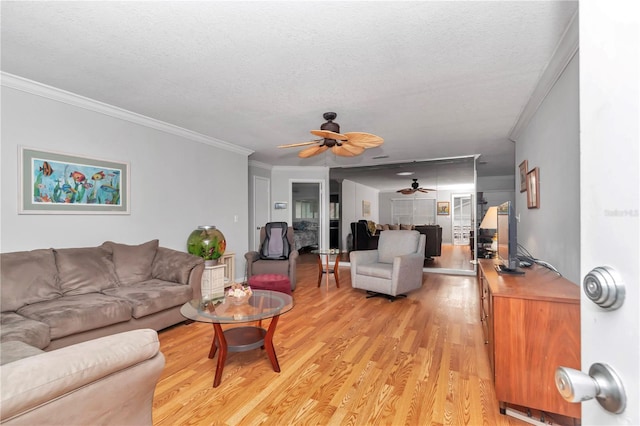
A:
x: 207, y: 242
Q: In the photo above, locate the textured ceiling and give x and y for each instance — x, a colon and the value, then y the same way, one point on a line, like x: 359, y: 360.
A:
x: 434, y: 79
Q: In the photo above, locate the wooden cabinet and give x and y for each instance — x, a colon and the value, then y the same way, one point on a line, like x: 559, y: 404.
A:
x: 531, y: 325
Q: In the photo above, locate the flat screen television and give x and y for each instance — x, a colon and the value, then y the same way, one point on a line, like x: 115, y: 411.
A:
x: 507, y: 240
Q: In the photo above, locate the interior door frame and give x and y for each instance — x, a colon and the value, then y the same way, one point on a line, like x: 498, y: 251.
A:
x: 256, y: 224
x: 461, y: 195
x: 323, y: 208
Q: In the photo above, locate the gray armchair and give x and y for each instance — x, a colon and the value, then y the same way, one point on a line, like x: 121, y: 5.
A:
x: 393, y: 269
x: 257, y: 266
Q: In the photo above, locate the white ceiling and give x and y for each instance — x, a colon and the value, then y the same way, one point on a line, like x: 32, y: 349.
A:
x: 434, y: 79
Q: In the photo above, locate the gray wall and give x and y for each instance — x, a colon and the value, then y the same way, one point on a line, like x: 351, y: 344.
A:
x: 176, y: 182
x: 550, y: 141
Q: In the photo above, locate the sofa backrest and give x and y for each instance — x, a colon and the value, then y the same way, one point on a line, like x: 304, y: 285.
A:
x: 85, y: 270
x: 28, y: 277
x: 398, y: 243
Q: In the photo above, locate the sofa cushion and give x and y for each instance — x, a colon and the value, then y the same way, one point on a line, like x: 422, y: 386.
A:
x: 133, y: 263
x: 378, y: 270
x: 85, y: 270
x: 152, y: 296
x: 15, y: 350
x: 17, y: 327
x: 74, y: 314
x: 396, y: 243
x: 173, y: 265
x: 28, y: 277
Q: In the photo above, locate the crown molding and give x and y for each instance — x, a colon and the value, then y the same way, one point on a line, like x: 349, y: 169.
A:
x: 45, y: 91
x: 259, y: 165
x: 565, y: 51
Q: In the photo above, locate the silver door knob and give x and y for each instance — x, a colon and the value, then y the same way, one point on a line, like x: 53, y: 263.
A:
x: 604, y: 287
x: 602, y: 383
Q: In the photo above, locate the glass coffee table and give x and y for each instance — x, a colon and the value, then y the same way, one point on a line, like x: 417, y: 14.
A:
x: 262, y: 304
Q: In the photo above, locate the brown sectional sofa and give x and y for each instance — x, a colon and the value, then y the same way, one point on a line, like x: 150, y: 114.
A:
x: 53, y: 298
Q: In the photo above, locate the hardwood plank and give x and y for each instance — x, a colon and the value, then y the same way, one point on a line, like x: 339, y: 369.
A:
x: 345, y: 360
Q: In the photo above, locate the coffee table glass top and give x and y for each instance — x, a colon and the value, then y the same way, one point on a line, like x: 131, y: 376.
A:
x: 262, y: 304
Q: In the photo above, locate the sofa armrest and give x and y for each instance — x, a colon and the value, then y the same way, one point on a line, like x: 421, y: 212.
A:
x: 176, y: 266
x: 109, y: 380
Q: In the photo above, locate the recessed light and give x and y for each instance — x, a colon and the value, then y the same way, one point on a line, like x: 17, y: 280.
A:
x: 379, y: 157
x: 404, y: 173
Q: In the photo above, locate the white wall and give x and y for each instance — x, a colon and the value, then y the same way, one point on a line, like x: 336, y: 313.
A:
x: 550, y: 141
x: 176, y: 183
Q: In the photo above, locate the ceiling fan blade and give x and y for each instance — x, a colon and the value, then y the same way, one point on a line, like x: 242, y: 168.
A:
x: 407, y: 191
x: 291, y: 145
x: 426, y: 190
x: 365, y: 140
x: 329, y: 135
x: 312, y: 150
x: 347, y: 150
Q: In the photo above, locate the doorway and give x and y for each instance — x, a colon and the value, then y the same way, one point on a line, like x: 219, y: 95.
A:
x: 461, y: 220
x: 307, y: 214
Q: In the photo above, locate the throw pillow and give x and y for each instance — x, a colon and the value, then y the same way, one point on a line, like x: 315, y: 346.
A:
x: 372, y: 227
x: 404, y: 227
x: 132, y: 263
x: 85, y: 270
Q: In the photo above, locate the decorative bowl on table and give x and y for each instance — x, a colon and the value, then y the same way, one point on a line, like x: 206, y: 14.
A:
x: 239, y: 294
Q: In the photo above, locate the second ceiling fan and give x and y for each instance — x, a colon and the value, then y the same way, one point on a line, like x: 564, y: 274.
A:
x: 415, y: 187
x: 344, y: 144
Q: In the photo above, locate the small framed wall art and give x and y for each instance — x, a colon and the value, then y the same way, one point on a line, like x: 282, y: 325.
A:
x: 58, y: 183
x: 533, y: 189
x: 443, y: 208
x: 523, y: 175
x: 366, y: 208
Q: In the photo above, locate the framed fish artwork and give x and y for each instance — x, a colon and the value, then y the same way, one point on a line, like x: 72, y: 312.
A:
x: 58, y: 183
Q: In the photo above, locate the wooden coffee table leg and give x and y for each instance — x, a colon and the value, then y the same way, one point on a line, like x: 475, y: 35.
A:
x: 335, y: 271
x: 214, y: 344
x: 268, y: 344
x: 320, y: 269
x: 222, y: 356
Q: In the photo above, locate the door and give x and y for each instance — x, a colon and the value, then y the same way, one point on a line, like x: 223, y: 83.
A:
x: 261, y: 207
x: 609, y: 185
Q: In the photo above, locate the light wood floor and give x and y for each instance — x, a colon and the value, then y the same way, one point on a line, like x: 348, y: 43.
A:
x: 345, y: 359
x: 452, y: 257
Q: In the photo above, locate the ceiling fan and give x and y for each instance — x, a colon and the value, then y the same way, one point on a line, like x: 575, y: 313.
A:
x: 345, y: 144
x: 415, y: 187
